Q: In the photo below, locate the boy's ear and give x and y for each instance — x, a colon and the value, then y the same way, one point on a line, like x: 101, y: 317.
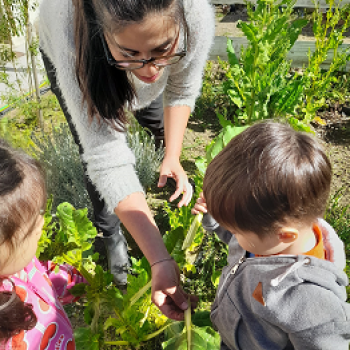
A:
x: 288, y: 234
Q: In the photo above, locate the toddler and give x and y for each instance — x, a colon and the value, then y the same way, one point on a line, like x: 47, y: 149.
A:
x: 284, y: 287
x: 31, y: 292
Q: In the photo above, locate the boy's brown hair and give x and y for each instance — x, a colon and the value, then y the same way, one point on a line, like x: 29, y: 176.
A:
x: 266, y: 175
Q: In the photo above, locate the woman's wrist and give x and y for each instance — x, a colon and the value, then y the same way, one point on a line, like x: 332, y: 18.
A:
x: 171, y: 157
x: 161, y: 261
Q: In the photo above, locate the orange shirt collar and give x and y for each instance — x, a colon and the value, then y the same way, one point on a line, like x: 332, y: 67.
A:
x: 317, y: 251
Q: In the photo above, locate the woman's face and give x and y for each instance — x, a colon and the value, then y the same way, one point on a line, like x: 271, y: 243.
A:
x: 155, y: 36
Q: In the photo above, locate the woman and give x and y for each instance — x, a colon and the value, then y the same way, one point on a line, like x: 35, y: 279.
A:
x: 102, y: 58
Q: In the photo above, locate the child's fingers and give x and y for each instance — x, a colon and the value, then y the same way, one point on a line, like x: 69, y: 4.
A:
x: 199, y: 208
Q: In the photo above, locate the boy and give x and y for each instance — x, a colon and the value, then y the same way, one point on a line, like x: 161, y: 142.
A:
x: 284, y: 287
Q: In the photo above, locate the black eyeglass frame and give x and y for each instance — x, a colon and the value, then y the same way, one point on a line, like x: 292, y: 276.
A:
x: 113, y: 62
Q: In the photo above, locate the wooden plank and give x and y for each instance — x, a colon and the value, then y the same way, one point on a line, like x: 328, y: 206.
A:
x: 300, y: 3
x: 298, y: 54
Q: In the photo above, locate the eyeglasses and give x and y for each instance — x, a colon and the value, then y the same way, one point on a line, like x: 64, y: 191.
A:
x: 160, y: 61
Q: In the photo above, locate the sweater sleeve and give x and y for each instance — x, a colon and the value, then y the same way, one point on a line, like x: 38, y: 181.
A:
x: 209, y: 224
x: 185, y: 79
x: 110, y: 162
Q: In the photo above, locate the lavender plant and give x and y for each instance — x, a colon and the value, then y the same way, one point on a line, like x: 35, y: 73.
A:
x: 60, y: 157
x: 148, y: 158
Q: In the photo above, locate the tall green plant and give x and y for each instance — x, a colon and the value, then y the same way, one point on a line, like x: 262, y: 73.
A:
x: 259, y: 83
x: 329, y: 36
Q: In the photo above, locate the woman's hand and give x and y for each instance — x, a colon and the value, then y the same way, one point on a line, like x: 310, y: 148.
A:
x: 135, y: 214
x: 200, y: 206
x: 171, y: 167
x: 167, y: 294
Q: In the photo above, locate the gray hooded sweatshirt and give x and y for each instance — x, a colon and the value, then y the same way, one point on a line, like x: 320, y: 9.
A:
x: 282, y: 302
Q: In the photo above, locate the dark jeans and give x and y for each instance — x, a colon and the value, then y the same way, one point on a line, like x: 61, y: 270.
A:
x: 150, y: 118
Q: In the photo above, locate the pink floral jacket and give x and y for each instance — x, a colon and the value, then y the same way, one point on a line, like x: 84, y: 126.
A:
x: 47, y: 290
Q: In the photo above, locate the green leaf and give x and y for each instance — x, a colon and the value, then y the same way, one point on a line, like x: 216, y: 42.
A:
x: 78, y: 290
x: 201, y: 339
x: 230, y: 132
x: 215, y: 149
x: 85, y: 340
x: 113, y: 322
x: 223, y: 121
x: 202, y: 319
x: 249, y: 30
x: 192, y: 231
x: 232, y: 58
x: 201, y: 164
x: 215, y: 277
x: 172, y: 238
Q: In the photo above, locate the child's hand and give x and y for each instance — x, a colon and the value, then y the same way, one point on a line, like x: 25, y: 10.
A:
x: 200, y: 206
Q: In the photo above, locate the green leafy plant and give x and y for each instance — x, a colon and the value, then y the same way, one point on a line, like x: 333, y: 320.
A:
x: 259, y: 83
x: 17, y: 134
x: 213, y: 98
x: 112, y: 318
x: 329, y: 35
x: 68, y: 239
x: 196, y: 335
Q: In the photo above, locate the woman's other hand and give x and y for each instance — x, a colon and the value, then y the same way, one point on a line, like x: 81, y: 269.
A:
x: 172, y: 168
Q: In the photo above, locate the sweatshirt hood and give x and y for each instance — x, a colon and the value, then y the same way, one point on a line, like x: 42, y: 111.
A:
x: 308, y: 269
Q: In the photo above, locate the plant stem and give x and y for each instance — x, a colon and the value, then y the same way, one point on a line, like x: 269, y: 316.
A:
x: 153, y: 335
x: 117, y: 342
x: 140, y: 293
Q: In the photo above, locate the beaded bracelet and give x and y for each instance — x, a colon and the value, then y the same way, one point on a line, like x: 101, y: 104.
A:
x: 161, y: 260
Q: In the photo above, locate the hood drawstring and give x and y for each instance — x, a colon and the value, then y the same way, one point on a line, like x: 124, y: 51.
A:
x: 276, y: 281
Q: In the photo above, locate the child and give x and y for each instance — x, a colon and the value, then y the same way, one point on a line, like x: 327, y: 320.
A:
x: 31, y: 293
x: 284, y: 287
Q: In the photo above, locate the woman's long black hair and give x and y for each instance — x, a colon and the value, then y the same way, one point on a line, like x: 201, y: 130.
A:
x: 106, y: 89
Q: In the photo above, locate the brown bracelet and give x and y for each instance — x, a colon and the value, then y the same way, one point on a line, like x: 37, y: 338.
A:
x: 161, y: 260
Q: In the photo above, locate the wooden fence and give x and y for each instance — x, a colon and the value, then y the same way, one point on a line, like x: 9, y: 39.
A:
x: 298, y: 54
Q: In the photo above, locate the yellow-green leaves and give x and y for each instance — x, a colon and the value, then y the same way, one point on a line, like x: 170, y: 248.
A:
x: 192, y: 231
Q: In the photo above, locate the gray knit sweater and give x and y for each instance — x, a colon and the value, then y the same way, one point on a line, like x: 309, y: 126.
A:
x: 110, y: 162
